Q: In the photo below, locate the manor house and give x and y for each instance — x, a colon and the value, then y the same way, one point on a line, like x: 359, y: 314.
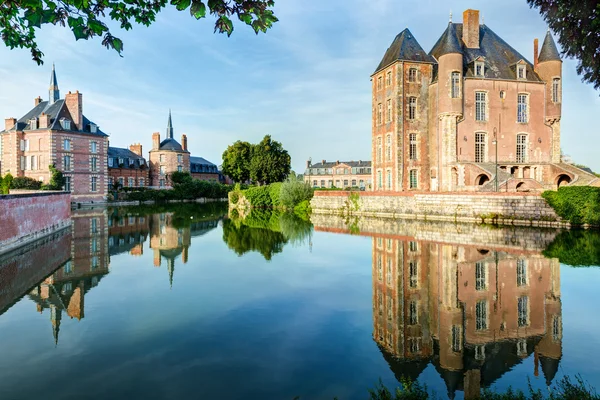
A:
x: 473, y: 114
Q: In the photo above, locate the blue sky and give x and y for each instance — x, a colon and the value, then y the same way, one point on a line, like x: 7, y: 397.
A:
x: 305, y: 82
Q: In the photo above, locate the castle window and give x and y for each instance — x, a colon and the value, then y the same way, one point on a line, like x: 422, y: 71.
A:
x: 93, y: 128
x: 130, y: 182
x: 413, y: 247
x: 388, y: 148
x: 480, y: 139
x: 67, y: 184
x: 523, y: 310
x: 556, y: 90
x: 479, y: 68
x: 412, y: 107
x: 94, y: 185
x: 379, y: 180
x: 455, y: 85
x: 66, y: 124
x: 379, y: 82
x: 121, y: 182
x: 413, y: 271
x: 110, y: 162
x: 378, y: 150
x: 480, y: 276
x: 141, y: 183
x: 521, y: 272
x: 388, y: 81
x: 66, y: 163
x: 33, y: 163
x: 522, y: 108
x: 481, y: 310
x: 456, y: 340
x: 413, y: 179
x: 94, y: 164
x: 389, y: 179
x: 480, y: 106
x: 33, y: 123
x: 179, y: 168
x: 521, y: 72
x: 389, y: 110
x: 121, y: 161
x: 94, y: 147
x: 379, y: 113
x: 161, y: 158
x: 412, y: 150
x: 412, y: 75
x: 162, y: 170
x: 413, y: 313
x: 67, y: 145
x: 179, y: 158
x: 521, y: 148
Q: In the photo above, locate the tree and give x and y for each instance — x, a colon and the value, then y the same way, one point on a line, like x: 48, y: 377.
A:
x: 89, y: 18
x: 270, y: 162
x: 236, y: 161
x: 577, y: 24
x: 57, y: 180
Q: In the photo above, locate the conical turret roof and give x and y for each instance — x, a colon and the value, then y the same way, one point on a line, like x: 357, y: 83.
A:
x: 549, y: 52
x: 404, y: 48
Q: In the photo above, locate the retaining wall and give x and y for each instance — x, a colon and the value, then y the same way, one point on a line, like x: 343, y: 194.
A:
x: 25, y: 218
x: 522, y: 209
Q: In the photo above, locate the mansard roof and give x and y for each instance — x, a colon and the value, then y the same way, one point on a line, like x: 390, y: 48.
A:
x: 200, y: 161
x: 404, y: 48
x: 199, y: 164
x: 332, y: 164
x: 500, y: 57
x: 171, y: 145
x: 549, y: 52
x: 130, y: 159
x: 56, y: 111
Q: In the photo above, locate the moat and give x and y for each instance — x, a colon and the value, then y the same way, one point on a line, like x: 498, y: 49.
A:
x: 182, y: 301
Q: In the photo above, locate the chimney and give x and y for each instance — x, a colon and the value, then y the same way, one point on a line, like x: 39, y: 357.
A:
x: 9, y: 123
x: 308, y: 164
x: 337, y: 162
x: 74, y: 102
x: 44, y: 121
x: 136, y: 148
x: 37, y: 101
x: 471, y: 28
x: 184, y: 142
x: 155, y: 140
x: 323, y: 161
x: 535, y: 53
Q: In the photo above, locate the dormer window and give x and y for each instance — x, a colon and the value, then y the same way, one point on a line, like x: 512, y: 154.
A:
x: 33, y: 123
x: 65, y: 124
x: 110, y: 162
x: 93, y: 128
x: 479, y: 68
x: 121, y: 161
x: 521, y: 72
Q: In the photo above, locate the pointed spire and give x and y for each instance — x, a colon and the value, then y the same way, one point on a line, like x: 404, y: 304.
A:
x: 170, y: 127
x: 53, y: 90
x: 450, y: 16
x: 171, y: 269
x: 55, y: 317
x: 549, y: 52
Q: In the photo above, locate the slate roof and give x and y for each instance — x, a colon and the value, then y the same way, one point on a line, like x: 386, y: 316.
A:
x: 130, y: 159
x: 499, y: 57
x: 549, y: 52
x: 404, y: 48
x: 332, y: 164
x: 199, y: 164
x: 57, y: 111
x: 170, y: 144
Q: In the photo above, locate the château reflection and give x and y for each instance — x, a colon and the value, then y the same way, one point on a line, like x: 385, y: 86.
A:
x: 473, y: 312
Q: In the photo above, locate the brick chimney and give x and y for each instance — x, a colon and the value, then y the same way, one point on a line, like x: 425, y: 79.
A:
x: 9, y: 123
x: 136, y: 148
x: 44, y: 121
x: 155, y: 140
x: 535, y: 53
x: 308, y: 164
x: 184, y: 142
x: 324, y: 161
x: 471, y: 28
x: 74, y: 102
x: 37, y: 101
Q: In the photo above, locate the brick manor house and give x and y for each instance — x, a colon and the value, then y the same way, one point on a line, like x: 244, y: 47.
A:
x: 339, y: 174
x: 471, y: 115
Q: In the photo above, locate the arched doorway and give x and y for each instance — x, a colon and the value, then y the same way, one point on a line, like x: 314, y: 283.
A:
x: 563, y: 180
x: 482, y: 180
x: 520, y: 186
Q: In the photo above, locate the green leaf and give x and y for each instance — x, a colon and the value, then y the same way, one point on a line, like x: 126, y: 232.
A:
x: 245, y: 17
x: 117, y: 44
x: 181, y: 4
x: 34, y: 18
x: 198, y: 9
x: 96, y: 26
x: 80, y: 32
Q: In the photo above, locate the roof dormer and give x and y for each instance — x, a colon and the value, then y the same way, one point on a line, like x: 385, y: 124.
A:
x: 521, y: 70
x: 479, y: 67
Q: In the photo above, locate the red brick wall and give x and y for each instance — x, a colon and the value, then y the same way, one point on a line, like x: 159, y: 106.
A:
x: 206, y: 177
x: 115, y: 173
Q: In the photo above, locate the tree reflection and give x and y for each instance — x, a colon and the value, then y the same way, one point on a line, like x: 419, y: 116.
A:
x: 576, y: 248
x: 265, y: 231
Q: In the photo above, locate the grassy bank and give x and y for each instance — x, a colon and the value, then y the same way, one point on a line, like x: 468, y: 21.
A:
x: 578, y: 204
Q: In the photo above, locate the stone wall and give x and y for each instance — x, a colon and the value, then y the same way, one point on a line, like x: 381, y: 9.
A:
x: 28, y: 217
x: 498, y: 208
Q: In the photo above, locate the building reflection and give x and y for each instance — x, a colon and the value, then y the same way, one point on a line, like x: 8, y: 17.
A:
x: 472, y: 312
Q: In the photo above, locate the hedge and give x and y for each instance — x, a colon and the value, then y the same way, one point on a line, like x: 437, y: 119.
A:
x: 24, y: 182
x: 576, y: 204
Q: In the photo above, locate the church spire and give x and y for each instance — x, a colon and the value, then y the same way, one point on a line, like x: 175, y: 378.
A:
x: 53, y: 90
x: 170, y: 127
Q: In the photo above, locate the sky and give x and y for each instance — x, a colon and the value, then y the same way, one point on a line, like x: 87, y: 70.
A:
x: 306, y: 82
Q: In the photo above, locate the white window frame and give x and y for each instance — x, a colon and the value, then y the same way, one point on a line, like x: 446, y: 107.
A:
x: 412, y: 147
x: 389, y: 110
x: 67, y: 166
x: 94, y: 164
x: 521, y: 72
x: 481, y: 315
x: 413, y: 74
x: 379, y: 114
x: 389, y: 179
x: 479, y: 69
x: 67, y: 144
x: 94, y: 147
x: 556, y: 90
x: 480, y: 147
x: 412, y: 108
x: 480, y: 276
x: 93, y: 184
x: 413, y: 179
x: 522, y: 148
x: 455, y: 84
x: 481, y: 106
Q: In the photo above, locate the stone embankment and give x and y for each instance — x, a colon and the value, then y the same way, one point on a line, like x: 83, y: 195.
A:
x: 25, y: 218
x: 521, y: 209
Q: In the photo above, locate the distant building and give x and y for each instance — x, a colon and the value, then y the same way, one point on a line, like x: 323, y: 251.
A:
x: 443, y: 120
x: 170, y: 156
x: 56, y: 132
x: 127, y: 167
x: 339, y: 174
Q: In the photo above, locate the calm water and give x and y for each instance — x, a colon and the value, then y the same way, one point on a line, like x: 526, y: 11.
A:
x: 181, y: 302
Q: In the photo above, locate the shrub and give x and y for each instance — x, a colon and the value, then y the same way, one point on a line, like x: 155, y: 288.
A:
x: 303, y: 210
x: 275, y: 192
x: 5, y: 183
x: 57, y: 180
x: 24, y: 182
x: 258, y: 196
x: 294, y: 191
x: 180, y: 177
x: 578, y: 248
x: 576, y: 204
x: 235, y: 197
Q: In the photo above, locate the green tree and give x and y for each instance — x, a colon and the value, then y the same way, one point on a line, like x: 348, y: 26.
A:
x: 89, y: 18
x: 236, y: 161
x: 577, y: 24
x: 181, y: 177
x: 57, y: 180
x: 270, y: 162
x: 6, y: 183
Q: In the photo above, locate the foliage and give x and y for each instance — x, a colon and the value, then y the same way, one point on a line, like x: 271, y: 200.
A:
x: 5, y: 183
x: 180, y: 177
x: 259, y: 196
x: 303, y: 210
x: 578, y: 248
x: 270, y: 162
x: 188, y: 190
x: 24, y: 182
x: 408, y: 391
x: 88, y: 19
x: 236, y: 161
x: 294, y: 192
x: 57, y: 180
x: 274, y: 193
x: 576, y: 204
x: 183, y: 214
x: 234, y: 197
x: 577, y: 24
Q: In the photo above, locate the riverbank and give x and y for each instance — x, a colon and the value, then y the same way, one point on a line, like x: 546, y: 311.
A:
x: 518, y: 209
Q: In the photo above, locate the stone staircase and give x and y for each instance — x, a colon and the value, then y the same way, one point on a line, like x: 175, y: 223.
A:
x: 490, y: 168
x: 581, y: 177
